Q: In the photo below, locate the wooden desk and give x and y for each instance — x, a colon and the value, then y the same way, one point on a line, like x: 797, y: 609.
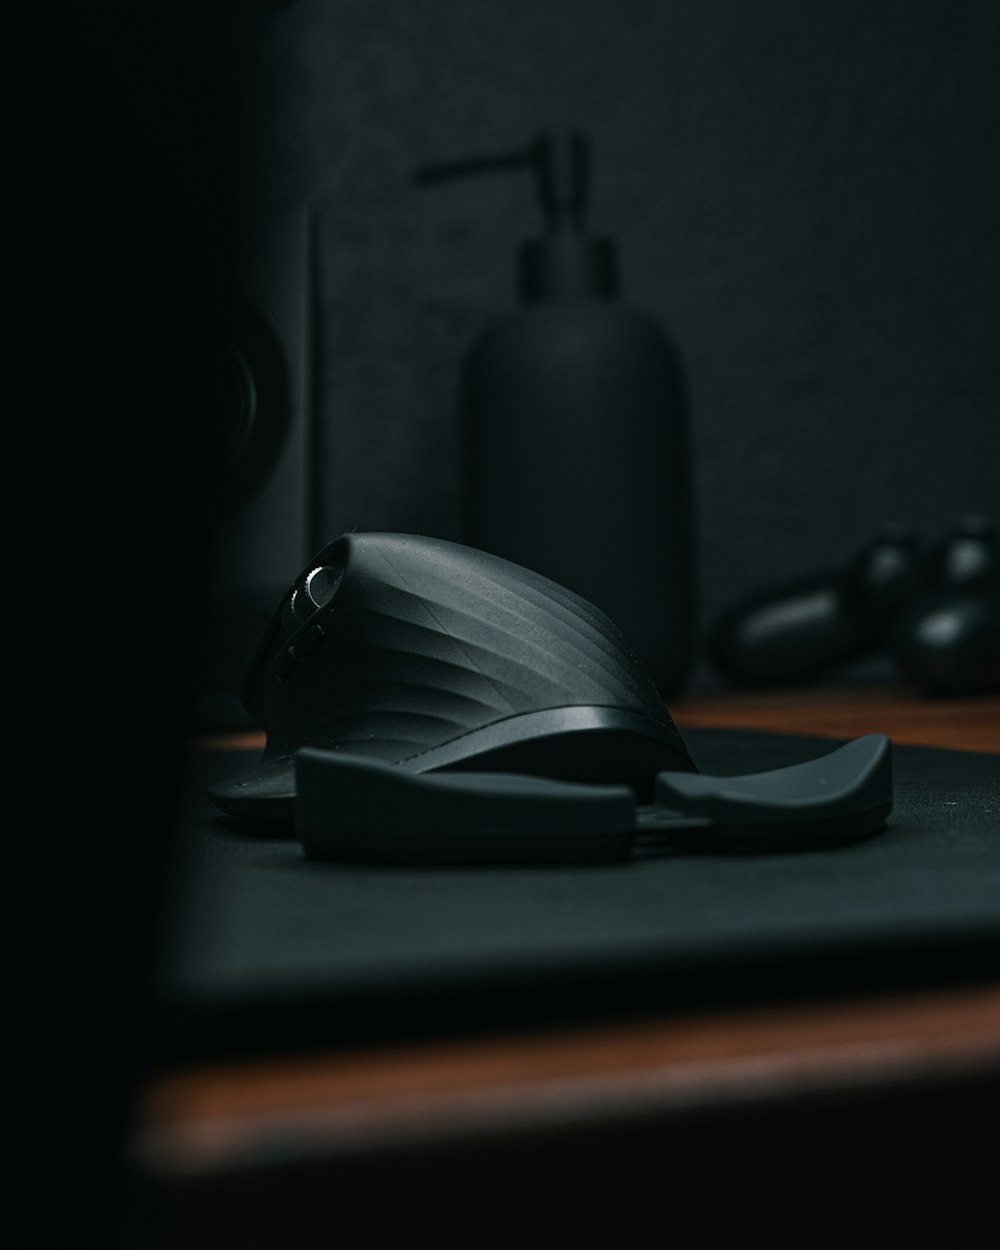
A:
x: 628, y: 1134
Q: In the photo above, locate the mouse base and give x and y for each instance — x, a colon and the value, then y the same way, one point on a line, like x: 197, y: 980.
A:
x: 596, y: 745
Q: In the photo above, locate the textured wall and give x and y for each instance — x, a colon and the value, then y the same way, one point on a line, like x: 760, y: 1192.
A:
x: 806, y: 196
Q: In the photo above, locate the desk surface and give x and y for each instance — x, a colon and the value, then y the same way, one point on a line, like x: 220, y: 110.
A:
x: 214, y: 1120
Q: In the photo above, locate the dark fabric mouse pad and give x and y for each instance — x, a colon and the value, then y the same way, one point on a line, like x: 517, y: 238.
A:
x: 265, y: 950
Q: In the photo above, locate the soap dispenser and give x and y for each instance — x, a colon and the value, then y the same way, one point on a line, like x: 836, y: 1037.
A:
x: 574, y: 427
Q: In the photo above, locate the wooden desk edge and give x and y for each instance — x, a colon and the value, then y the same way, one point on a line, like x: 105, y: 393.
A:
x: 216, y: 1119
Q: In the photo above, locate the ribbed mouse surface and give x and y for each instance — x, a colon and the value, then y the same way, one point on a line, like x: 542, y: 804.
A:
x: 426, y: 654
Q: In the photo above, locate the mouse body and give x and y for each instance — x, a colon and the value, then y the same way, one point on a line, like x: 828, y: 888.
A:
x: 428, y: 655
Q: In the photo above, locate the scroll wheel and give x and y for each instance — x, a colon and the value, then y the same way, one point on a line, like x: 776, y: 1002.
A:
x: 315, y: 591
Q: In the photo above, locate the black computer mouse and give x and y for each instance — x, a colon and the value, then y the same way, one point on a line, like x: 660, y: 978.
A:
x: 428, y: 655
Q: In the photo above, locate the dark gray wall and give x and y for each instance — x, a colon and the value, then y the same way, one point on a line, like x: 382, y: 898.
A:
x: 805, y: 195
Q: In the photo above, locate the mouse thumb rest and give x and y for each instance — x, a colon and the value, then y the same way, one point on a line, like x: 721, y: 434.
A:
x: 357, y: 810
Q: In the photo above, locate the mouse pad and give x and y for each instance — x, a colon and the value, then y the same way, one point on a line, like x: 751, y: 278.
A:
x: 266, y: 950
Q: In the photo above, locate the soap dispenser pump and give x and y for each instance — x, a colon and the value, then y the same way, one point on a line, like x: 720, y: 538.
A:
x: 574, y: 429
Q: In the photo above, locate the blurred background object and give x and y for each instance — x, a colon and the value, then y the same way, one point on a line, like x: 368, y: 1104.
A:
x: 805, y: 629
x: 929, y: 610
x: 946, y: 640
x: 807, y: 199
x: 573, y: 426
x: 266, y: 525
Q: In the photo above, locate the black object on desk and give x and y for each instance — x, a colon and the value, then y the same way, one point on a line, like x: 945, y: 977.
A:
x: 947, y: 638
x: 425, y: 655
x: 394, y: 656
x: 935, y: 609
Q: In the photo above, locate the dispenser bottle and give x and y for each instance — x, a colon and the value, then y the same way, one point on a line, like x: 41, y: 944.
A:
x: 574, y: 426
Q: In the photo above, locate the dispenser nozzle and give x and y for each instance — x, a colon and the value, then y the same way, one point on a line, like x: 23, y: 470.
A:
x: 562, y: 174
x: 564, y: 263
